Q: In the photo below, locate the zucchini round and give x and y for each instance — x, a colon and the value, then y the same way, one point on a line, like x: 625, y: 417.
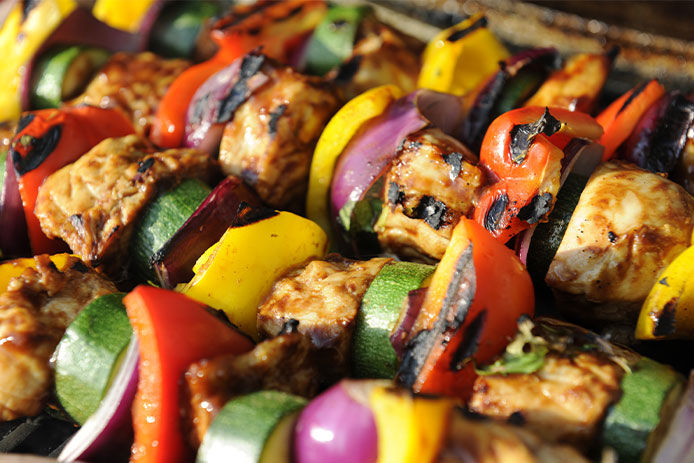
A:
x: 62, y: 72
x: 373, y: 355
x: 88, y: 354
x: 161, y: 220
x: 253, y: 428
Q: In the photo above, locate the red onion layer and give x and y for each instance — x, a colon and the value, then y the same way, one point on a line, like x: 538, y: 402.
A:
x: 107, y: 434
x: 371, y: 152
x: 14, y: 240
x: 338, y: 426
x: 678, y: 444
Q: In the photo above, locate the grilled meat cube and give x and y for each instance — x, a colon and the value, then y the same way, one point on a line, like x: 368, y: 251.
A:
x: 323, y: 298
x: 34, y: 313
x: 568, y: 379
x: 93, y: 203
x: 133, y: 83
x: 287, y: 363
x: 432, y: 182
x: 564, y: 401
x: 472, y: 440
x: 628, y: 225
x: 269, y: 141
x: 381, y: 56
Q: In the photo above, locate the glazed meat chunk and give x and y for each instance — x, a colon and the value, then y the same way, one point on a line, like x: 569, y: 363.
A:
x: 323, y: 298
x: 430, y: 185
x: 568, y: 395
x: 133, y: 83
x: 475, y: 441
x: 93, y: 203
x: 381, y: 56
x: 564, y: 401
x: 286, y: 363
x: 628, y: 225
x: 34, y: 312
x: 269, y: 141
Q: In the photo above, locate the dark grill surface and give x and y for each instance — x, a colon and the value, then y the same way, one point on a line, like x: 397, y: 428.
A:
x: 40, y: 435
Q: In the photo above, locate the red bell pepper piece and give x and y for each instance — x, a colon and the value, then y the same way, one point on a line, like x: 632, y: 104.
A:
x: 173, y: 331
x: 49, y: 139
x: 620, y: 118
x: 274, y: 26
x: 477, y: 293
x: 523, y: 149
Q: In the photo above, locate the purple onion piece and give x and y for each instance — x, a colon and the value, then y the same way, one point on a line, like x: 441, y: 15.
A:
x: 107, y: 434
x: 368, y: 155
x: 658, y: 139
x: 215, y: 102
x: 415, y: 299
x: 338, y: 426
x: 14, y: 240
x: 678, y: 444
x: 173, y: 263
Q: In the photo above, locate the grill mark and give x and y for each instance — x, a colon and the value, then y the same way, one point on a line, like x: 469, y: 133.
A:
x: 41, y: 148
x: 457, y: 35
x: 250, y: 66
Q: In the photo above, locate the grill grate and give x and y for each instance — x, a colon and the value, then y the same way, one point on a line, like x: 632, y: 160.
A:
x: 41, y: 435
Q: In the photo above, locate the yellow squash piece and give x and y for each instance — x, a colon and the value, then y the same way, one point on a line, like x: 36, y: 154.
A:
x: 13, y: 268
x: 410, y: 429
x: 459, y: 58
x: 126, y: 15
x: 668, y: 312
x: 236, y: 273
x: 20, y: 38
x: 333, y: 141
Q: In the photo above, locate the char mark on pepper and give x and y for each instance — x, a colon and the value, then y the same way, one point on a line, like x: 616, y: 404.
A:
x: 40, y: 149
x: 457, y: 35
x: 523, y: 135
x: 537, y: 208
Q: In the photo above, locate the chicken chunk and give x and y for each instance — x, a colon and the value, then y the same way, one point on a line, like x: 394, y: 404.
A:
x: 269, y: 141
x: 628, y: 225
x: 323, y: 298
x: 34, y: 312
x: 133, y: 83
x: 431, y: 184
x: 472, y: 440
x: 285, y: 363
x: 564, y: 401
x: 381, y: 56
x: 93, y: 203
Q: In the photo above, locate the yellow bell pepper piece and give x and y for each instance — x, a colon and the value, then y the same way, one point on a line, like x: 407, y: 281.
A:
x: 411, y: 429
x: 20, y: 39
x: 668, y: 312
x: 14, y: 268
x: 332, y: 142
x: 236, y: 273
x: 126, y: 15
x: 459, y: 58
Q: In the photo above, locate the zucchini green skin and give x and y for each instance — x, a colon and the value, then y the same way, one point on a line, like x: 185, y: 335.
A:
x: 176, y: 31
x: 373, y: 355
x: 241, y: 429
x: 74, y: 64
x: 548, y: 235
x: 160, y: 220
x: 333, y: 40
x: 88, y: 354
x: 649, y: 392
